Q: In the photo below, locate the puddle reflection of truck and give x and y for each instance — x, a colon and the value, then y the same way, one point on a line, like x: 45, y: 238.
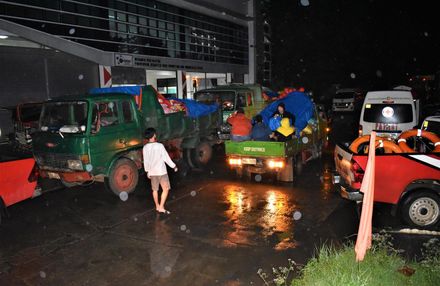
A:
x: 99, y: 137
x: 285, y: 160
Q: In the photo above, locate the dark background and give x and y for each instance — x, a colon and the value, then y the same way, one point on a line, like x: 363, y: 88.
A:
x: 383, y: 43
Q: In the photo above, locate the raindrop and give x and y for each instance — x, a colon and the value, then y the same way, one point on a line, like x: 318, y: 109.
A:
x: 188, y: 231
x: 258, y: 178
x: 42, y: 274
x: 379, y: 73
x: 72, y: 31
x: 304, y: 3
x: 298, y: 75
x: 183, y: 227
x: 135, y: 219
x: 193, y: 193
x: 123, y: 196
x: 167, y: 269
x: 211, y: 172
x: 81, y: 77
x: 353, y: 75
x: 301, y: 60
x: 43, y: 25
x: 87, y: 223
x: 426, y: 34
x: 304, y: 70
x: 305, y: 140
x: 297, y: 215
x: 415, y: 59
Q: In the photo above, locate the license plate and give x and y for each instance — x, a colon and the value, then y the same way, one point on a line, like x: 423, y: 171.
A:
x: 53, y: 175
x: 249, y: 161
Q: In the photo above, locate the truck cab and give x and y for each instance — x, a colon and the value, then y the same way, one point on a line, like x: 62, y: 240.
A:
x: 78, y: 138
x: 234, y: 96
x: 345, y: 99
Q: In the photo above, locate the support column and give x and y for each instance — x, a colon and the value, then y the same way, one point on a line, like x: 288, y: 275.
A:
x: 252, y: 43
x: 182, y: 89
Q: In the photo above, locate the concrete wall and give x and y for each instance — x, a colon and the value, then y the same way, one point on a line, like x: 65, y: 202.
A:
x: 28, y: 74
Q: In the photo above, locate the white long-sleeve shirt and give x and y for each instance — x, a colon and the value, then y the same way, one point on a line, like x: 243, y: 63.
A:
x: 155, y: 157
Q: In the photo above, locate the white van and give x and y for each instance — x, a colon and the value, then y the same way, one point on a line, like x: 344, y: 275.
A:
x: 389, y: 113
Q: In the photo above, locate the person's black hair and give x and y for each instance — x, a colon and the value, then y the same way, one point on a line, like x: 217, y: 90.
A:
x: 282, y: 105
x: 240, y: 110
x: 149, y: 133
x: 258, y: 118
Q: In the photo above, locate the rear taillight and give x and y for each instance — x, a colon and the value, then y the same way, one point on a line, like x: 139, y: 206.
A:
x: 360, y: 130
x: 358, y: 172
x: 33, y: 176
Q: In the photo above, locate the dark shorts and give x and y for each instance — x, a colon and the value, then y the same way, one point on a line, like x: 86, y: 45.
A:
x: 163, y: 181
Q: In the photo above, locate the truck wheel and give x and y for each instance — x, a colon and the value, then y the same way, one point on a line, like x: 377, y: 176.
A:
x: 202, y: 154
x: 421, y: 209
x: 123, y: 177
x: 298, y: 165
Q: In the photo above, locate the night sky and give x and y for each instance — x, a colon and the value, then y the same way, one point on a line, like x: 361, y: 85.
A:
x: 356, y: 43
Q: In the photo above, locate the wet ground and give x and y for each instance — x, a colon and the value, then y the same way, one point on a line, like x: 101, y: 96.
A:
x: 220, y: 232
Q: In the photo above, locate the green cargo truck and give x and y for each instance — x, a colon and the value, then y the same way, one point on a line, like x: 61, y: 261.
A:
x: 282, y: 159
x: 99, y: 137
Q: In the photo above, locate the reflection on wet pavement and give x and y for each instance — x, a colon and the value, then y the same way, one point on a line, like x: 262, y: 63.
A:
x: 163, y: 255
x: 252, y: 217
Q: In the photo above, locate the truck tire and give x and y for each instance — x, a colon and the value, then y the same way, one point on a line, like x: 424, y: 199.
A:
x: 421, y: 209
x: 124, y: 177
x: 202, y: 154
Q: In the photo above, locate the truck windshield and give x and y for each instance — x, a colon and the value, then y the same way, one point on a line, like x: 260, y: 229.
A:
x: 388, y: 113
x: 66, y: 117
x: 344, y: 95
x: 432, y: 126
x: 225, y: 98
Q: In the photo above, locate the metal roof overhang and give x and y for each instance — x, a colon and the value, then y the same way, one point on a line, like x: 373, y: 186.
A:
x: 117, y: 59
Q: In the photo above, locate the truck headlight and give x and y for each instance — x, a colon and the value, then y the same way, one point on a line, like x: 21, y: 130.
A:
x: 75, y: 164
x: 276, y: 164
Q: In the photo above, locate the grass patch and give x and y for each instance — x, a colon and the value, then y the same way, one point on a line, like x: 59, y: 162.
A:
x: 380, y: 267
x: 383, y: 265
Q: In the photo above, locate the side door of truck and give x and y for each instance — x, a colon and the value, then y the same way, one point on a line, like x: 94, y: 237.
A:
x: 105, y: 134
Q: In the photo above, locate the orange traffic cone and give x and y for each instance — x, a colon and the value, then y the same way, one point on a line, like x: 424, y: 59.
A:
x: 363, y: 241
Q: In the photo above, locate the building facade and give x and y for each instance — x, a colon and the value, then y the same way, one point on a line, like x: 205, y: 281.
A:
x: 58, y: 47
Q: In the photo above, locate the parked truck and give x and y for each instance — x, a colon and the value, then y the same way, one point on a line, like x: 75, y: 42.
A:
x: 230, y: 98
x: 284, y: 160
x: 99, y: 136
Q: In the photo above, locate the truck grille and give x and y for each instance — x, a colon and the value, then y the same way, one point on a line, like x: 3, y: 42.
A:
x: 54, y: 160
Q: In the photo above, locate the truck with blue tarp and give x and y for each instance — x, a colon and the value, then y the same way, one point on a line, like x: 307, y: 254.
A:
x: 282, y: 159
x: 99, y: 136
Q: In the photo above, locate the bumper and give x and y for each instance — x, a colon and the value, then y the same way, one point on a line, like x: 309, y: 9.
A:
x: 346, y: 191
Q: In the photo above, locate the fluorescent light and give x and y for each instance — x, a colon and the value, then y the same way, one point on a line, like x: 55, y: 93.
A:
x: 2, y: 37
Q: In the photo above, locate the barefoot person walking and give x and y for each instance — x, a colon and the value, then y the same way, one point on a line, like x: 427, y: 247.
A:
x: 155, y: 157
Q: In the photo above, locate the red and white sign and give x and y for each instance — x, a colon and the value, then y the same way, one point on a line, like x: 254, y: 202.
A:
x: 105, y: 76
x: 387, y: 112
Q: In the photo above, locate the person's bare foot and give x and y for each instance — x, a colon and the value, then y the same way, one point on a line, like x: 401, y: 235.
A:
x: 163, y: 211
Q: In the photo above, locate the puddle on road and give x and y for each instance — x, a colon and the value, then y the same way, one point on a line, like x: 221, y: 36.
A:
x: 253, y: 217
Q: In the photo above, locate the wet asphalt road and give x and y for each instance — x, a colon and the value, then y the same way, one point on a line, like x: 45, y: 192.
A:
x: 220, y: 232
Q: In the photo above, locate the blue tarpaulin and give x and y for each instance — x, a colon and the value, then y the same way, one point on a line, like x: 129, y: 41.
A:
x: 196, y: 109
x: 134, y: 90
x: 298, y: 103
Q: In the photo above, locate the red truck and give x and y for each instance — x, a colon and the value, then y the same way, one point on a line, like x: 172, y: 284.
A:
x: 409, y: 181
x: 18, y: 181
